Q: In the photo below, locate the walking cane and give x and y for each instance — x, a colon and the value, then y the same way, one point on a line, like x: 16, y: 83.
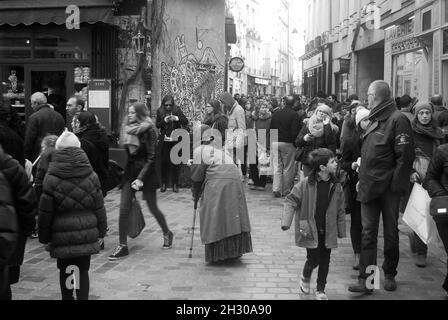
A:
x: 192, y: 229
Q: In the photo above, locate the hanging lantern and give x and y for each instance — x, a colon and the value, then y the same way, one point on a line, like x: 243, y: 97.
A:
x: 138, y: 41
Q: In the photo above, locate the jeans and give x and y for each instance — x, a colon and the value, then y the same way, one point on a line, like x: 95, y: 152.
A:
x: 388, y: 205
x: 83, y: 264
x: 318, y: 257
x: 356, y: 226
x: 168, y: 168
x: 127, y: 194
x: 284, y: 167
x: 420, y: 246
x: 442, y: 228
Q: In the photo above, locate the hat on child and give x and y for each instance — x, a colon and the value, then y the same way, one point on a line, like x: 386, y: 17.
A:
x: 361, y: 114
x: 66, y: 140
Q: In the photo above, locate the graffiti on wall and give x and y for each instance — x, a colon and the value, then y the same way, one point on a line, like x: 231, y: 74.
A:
x: 192, y: 81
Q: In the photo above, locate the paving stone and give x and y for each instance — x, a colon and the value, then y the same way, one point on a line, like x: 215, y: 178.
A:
x: 270, y: 273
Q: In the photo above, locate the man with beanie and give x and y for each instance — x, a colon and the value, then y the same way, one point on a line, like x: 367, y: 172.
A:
x: 286, y: 122
x: 437, y: 102
x: 237, y: 124
x: 387, y: 155
x: 44, y: 121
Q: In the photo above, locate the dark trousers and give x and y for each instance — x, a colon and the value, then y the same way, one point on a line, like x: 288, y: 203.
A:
x: 356, y: 226
x: 5, y: 287
x: 318, y: 257
x: 127, y: 194
x: 244, y: 164
x: 387, y: 205
x: 420, y: 247
x: 259, y: 181
x: 83, y: 264
x: 442, y: 228
x: 168, y: 168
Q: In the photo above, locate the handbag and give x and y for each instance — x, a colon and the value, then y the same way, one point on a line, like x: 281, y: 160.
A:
x: 114, y: 176
x: 299, y: 153
x: 136, y: 219
x: 438, y: 208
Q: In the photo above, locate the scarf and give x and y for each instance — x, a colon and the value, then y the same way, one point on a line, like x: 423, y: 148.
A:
x: 431, y: 130
x: 316, y: 128
x: 379, y: 108
x: 132, y: 132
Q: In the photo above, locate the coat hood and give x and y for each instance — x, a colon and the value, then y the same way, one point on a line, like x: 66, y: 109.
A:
x: 70, y: 163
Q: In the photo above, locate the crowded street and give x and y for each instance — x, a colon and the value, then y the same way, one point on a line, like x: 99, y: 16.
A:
x: 269, y: 273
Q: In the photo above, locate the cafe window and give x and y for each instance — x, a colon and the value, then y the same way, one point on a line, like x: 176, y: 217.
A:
x: 12, y: 87
x: 43, y: 42
x: 15, y: 45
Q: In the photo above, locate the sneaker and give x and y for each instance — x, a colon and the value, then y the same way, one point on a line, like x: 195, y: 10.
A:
x: 320, y: 295
x: 305, y: 285
x: 35, y: 234
x: 168, y: 240
x: 260, y: 188
x: 250, y: 182
x: 252, y: 187
x: 120, y: 252
x: 390, y: 284
x: 421, y: 261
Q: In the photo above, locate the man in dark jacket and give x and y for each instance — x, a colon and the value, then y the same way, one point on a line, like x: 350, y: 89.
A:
x: 437, y: 102
x: 286, y: 122
x: 387, y: 154
x: 42, y: 122
x: 17, y: 198
x: 12, y: 143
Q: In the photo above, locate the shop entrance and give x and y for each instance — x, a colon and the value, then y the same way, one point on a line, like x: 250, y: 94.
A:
x: 53, y: 82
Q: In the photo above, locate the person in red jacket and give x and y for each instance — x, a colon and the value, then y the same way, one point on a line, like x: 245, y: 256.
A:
x: 387, y: 154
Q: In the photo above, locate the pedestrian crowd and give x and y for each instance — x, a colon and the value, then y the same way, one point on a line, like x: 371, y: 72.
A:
x: 325, y: 158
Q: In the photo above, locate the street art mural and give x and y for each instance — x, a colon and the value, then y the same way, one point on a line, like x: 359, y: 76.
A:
x: 192, y: 81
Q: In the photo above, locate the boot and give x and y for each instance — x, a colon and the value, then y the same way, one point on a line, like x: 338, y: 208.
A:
x: 360, y: 287
x: 175, y: 188
x: 389, y: 283
x: 163, y: 189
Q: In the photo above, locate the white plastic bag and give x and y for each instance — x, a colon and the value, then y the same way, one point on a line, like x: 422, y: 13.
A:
x: 417, y: 216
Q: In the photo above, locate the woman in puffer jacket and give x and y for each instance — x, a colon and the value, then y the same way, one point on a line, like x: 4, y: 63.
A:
x: 72, y: 216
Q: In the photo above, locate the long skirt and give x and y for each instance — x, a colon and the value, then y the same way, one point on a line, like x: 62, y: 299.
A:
x: 228, y: 248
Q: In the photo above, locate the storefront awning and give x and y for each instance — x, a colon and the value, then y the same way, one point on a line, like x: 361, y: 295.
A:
x: 15, y: 12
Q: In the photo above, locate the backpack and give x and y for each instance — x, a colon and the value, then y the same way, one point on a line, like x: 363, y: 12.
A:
x: 9, y: 225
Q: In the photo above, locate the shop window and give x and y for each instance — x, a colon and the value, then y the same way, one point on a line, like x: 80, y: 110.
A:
x: 409, y: 70
x: 426, y: 20
x: 12, y: 87
x: 15, y: 45
x: 49, y: 46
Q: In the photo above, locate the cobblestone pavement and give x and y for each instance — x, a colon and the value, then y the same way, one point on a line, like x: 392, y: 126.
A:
x: 270, y: 272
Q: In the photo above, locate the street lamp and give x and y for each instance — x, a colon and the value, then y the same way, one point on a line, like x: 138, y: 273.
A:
x: 138, y: 41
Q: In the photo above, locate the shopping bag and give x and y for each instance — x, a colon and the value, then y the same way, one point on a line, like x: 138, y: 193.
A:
x: 417, y: 217
x: 136, y: 219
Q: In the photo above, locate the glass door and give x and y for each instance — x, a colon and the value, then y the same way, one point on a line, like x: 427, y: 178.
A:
x: 54, y: 82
